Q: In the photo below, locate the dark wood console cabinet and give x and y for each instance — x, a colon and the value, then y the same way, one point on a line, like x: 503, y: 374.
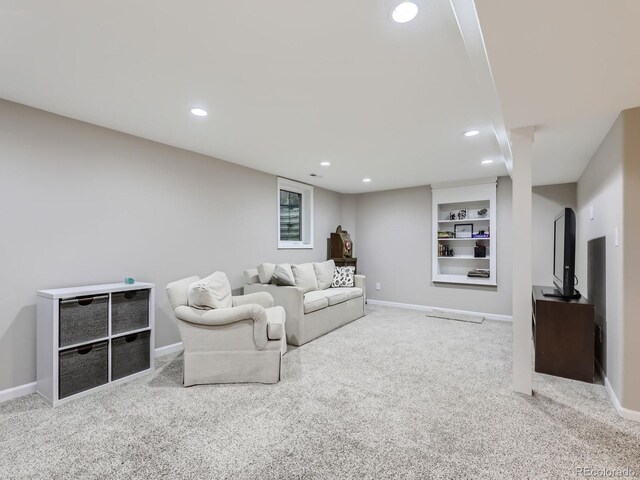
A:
x: 347, y: 262
x: 563, y: 336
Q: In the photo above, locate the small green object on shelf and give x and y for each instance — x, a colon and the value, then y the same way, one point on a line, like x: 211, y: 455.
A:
x: 129, y: 280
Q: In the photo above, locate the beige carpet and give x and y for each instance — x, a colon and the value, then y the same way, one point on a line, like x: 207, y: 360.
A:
x: 393, y: 395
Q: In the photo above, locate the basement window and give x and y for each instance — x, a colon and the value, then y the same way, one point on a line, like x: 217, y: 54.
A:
x: 295, y: 214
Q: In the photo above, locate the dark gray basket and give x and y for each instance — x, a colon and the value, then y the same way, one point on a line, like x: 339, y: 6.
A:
x: 83, y: 368
x: 83, y: 319
x: 129, y: 310
x: 130, y: 354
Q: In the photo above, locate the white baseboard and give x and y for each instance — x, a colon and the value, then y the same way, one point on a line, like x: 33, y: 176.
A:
x: 28, y: 388
x: 623, y: 412
x: 425, y: 308
x: 167, y: 349
x: 19, y: 391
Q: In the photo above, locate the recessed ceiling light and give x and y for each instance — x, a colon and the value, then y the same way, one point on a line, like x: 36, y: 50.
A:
x: 199, y: 112
x: 405, y: 12
x: 471, y: 133
x: 325, y: 164
x: 487, y: 161
x: 366, y: 179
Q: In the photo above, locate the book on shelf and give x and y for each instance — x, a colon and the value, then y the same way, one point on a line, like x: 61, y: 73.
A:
x: 479, y: 273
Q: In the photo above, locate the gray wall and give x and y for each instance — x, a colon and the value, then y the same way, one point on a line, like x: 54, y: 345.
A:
x: 631, y: 266
x: 547, y: 202
x: 610, y: 185
x: 349, y: 219
x: 394, y: 248
x: 87, y: 205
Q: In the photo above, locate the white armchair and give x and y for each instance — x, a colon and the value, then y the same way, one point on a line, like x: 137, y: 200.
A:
x: 241, y: 343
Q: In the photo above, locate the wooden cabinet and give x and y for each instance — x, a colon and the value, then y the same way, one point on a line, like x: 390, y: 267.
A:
x: 90, y: 337
x: 563, y: 336
x: 347, y: 262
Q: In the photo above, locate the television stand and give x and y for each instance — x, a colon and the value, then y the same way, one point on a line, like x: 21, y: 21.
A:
x: 555, y: 293
x: 563, y: 335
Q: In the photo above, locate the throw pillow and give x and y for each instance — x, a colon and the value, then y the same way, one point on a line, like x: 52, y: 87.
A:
x: 283, y: 276
x: 305, y: 277
x: 343, y: 277
x: 211, y: 292
x: 324, y: 273
x: 265, y: 272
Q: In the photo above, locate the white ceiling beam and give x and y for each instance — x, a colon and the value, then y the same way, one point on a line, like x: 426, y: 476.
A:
x: 469, y: 26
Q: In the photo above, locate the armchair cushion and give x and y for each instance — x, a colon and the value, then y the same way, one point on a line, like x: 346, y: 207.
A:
x: 305, y: 277
x: 211, y: 292
x: 177, y: 291
x: 324, y: 273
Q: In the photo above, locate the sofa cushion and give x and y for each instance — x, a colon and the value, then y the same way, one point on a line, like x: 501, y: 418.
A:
x: 305, y: 277
x: 352, y: 292
x: 343, y: 277
x: 211, y: 292
x: 315, y: 301
x: 265, y: 272
x: 283, y: 276
x: 250, y: 276
x: 324, y: 273
x: 335, y: 295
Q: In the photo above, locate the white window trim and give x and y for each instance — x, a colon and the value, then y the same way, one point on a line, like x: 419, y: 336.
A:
x: 306, y: 212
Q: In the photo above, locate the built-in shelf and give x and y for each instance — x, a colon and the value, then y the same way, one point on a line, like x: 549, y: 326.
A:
x: 444, y: 278
x: 463, y: 239
x: 479, y: 205
x: 466, y: 220
x: 465, y: 257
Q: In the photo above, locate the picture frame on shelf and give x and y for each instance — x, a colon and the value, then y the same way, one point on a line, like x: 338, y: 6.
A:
x: 463, y: 230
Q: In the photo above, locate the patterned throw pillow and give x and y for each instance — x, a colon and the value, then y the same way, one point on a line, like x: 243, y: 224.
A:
x: 343, y: 277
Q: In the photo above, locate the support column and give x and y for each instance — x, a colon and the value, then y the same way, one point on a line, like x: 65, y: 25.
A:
x: 521, y: 147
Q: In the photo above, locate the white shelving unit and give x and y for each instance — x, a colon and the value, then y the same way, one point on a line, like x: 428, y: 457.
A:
x: 466, y: 203
x: 94, y: 336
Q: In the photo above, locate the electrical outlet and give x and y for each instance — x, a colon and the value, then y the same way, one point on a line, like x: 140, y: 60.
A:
x: 378, y: 286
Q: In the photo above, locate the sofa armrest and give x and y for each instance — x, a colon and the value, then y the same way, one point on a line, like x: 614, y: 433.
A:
x: 251, y: 276
x: 359, y: 281
x: 275, y: 323
x: 263, y: 299
x: 226, y: 316
x: 291, y: 298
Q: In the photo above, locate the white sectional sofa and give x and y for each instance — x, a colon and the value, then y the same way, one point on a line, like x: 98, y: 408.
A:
x: 311, y: 311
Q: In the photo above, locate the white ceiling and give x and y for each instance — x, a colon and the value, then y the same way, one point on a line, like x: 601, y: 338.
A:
x: 566, y: 67
x: 291, y: 83
x: 287, y: 83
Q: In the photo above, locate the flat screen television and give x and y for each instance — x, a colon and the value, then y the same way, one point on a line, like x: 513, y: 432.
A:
x: 564, y: 253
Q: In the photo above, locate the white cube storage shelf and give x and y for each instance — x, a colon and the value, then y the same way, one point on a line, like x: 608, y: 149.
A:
x: 92, y: 337
x: 448, y: 200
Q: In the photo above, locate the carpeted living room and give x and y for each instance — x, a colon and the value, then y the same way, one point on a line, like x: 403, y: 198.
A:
x: 390, y: 239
